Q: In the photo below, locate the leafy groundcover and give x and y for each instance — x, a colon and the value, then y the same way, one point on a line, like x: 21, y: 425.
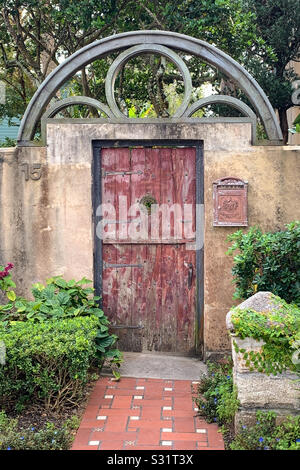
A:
x: 217, y: 402
x: 52, y: 349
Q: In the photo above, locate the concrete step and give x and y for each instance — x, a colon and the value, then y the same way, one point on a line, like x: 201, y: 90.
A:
x: 160, y: 366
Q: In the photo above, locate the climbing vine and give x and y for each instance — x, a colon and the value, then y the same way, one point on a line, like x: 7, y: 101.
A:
x: 279, y: 330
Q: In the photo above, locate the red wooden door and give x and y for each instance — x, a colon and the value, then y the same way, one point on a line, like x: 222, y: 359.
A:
x: 149, y: 268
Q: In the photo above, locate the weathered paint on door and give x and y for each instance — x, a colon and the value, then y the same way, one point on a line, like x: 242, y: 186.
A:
x: 149, y: 278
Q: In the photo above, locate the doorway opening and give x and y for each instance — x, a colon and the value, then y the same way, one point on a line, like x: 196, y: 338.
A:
x: 148, y: 243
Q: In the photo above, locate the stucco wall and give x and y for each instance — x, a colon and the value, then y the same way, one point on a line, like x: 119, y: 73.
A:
x: 46, y: 225
x: 273, y: 200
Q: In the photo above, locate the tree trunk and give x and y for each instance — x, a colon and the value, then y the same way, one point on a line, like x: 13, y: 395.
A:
x: 282, y: 112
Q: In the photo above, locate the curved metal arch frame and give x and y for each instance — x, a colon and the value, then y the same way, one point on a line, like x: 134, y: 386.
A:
x: 228, y: 100
x: 137, y: 50
x: 177, y: 41
x: 71, y: 101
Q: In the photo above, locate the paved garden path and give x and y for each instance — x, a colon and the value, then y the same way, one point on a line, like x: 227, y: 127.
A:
x: 145, y: 414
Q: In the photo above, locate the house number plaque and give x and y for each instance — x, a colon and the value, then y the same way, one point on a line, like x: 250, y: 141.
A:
x: 230, y: 202
x: 31, y: 171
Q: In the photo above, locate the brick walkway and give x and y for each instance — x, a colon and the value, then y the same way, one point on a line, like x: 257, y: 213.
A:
x: 145, y: 414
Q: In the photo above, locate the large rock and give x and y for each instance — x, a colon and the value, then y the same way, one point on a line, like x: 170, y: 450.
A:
x: 260, y: 302
x: 258, y: 391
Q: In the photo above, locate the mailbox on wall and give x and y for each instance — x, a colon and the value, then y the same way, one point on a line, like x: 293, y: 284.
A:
x: 230, y: 202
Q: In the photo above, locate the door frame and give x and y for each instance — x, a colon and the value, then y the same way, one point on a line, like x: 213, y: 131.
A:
x: 97, y: 145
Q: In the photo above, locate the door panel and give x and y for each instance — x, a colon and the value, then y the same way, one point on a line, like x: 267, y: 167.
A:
x: 149, y: 277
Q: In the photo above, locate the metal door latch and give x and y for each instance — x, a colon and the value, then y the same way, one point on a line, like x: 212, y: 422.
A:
x: 190, y: 275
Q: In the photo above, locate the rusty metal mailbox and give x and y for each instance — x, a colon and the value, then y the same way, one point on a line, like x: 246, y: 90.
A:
x: 230, y: 202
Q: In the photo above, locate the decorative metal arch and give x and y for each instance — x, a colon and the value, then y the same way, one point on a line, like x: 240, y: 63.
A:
x: 228, y: 100
x: 137, y: 50
x: 71, y: 101
x: 180, y: 42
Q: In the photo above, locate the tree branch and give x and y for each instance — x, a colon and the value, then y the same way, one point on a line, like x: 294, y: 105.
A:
x: 11, y: 84
x: 150, y: 13
x: 19, y: 42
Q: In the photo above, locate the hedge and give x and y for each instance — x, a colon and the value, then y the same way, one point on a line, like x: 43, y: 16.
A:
x: 46, y: 362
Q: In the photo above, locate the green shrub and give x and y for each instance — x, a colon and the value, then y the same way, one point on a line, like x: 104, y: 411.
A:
x: 265, y: 435
x: 47, y: 362
x: 287, y: 435
x: 8, y: 142
x: 217, y: 396
x: 61, y: 299
x: 278, y: 329
x: 267, y: 262
x: 49, y: 438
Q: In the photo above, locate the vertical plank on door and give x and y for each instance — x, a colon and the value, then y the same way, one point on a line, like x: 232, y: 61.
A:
x: 123, y: 274
x: 139, y: 293
x: 186, y: 326
x: 110, y: 286
x: 186, y: 158
x: 153, y: 265
x: 186, y: 300
x: 137, y: 191
x: 168, y: 326
x: 185, y: 161
x: 154, y: 297
x: 168, y: 255
x: 122, y: 190
x: 153, y: 177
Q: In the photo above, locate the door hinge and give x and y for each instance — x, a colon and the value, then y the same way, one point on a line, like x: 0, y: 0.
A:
x: 107, y: 221
x: 122, y: 173
x: 109, y: 265
x: 128, y: 327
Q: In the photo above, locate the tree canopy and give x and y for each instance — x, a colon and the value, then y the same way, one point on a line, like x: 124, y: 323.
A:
x: 262, y: 35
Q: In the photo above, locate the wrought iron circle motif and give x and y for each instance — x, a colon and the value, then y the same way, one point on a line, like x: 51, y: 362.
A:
x: 227, y: 100
x: 220, y: 99
x: 71, y: 101
x: 136, y: 51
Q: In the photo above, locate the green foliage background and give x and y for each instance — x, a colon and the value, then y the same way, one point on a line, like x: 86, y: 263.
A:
x: 267, y: 262
x: 36, y: 35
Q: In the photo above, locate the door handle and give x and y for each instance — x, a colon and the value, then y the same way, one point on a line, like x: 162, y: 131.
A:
x: 190, y: 275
